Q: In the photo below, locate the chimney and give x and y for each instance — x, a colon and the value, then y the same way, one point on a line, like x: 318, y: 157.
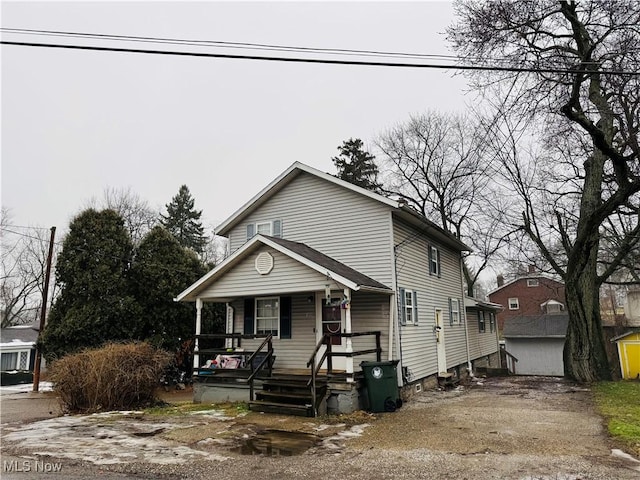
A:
x: 532, y: 269
x: 500, y: 280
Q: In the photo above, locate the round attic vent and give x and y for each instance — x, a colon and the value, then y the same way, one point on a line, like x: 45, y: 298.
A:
x: 264, y: 263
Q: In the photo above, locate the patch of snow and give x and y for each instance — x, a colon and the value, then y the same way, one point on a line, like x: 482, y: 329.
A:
x: 620, y: 454
x: 88, y: 438
x: 25, y: 388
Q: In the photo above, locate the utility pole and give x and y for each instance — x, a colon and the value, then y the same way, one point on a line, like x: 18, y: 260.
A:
x: 43, y: 311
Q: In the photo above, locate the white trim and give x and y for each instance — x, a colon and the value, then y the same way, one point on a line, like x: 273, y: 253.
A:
x: 517, y: 302
x: 239, y: 254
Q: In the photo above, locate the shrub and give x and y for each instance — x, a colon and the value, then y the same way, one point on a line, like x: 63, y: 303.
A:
x: 115, y: 377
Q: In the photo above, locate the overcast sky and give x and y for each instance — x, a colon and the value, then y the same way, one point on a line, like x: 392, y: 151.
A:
x: 77, y: 122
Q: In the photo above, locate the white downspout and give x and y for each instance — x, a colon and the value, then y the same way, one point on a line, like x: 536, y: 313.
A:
x: 466, y: 323
x: 347, y: 328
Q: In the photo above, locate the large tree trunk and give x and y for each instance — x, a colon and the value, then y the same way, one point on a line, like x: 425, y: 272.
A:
x: 585, y: 356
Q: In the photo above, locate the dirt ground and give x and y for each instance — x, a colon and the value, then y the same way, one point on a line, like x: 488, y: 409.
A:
x: 499, y: 428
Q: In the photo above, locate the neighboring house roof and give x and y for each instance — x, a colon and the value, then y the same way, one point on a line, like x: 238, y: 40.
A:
x: 306, y: 255
x: 19, y: 335
x: 525, y: 277
x: 626, y: 334
x: 471, y: 302
x: 537, y: 326
x: 398, y: 206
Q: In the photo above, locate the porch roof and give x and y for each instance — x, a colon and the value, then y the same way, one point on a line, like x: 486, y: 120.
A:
x: 300, y: 252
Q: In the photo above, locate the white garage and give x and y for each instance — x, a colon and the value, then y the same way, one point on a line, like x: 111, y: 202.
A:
x: 537, y: 341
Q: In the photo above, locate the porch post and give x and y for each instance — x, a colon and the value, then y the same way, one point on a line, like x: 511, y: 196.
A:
x: 196, y: 357
x: 347, y: 329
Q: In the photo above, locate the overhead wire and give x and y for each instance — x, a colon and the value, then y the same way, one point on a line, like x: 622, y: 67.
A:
x: 292, y: 49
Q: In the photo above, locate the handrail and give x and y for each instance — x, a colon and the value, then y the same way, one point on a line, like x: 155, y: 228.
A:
x: 510, y: 360
x: 265, y: 360
x: 328, y: 355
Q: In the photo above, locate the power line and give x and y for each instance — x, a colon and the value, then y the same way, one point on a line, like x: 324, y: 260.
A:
x: 225, y: 44
x: 318, y: 61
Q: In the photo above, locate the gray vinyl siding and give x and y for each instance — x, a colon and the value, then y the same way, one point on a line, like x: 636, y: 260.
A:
x: 481, y: 344
x: 293, y: 352
x: 336, y: 221
x: 288, y: 275
x: 369, y: 312
x: 418, y: 342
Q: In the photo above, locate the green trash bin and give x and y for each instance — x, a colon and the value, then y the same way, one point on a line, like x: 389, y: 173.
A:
x: 382, y: 385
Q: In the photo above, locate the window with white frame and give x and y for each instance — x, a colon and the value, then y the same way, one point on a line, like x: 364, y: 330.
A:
x: 271, y: 228
x: 481, y: 325
x: 15, y: 361
x: 514, y: 304
x: 409, y: 306
x: 454, y: 311
x: 532, y: 282
x: 267, y: 315
x: 434, y: 261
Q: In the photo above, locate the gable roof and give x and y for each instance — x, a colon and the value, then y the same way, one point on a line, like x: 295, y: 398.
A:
x: 300, y: 252
x: 536, y: 276
x: 19, y: 335
x: 631, y: 331
x: 298, y: 168
x: 537, y: 326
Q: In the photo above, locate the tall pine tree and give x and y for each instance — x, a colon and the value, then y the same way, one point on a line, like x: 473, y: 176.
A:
x: 356, y: 165
x: 95, y: 304
x: 183, y: 221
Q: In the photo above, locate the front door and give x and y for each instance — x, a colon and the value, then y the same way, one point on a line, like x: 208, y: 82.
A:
x: 331, y: 319
x: 440, y: 345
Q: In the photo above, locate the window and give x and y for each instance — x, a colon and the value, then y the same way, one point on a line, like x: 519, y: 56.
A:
x: 514, y: 304
x: 9, y: 361
x: 267, y: 315
x: 454, y: 311
x: 434, y: 261
x: 271, y: 228
x: 532, y: 282
x: 409, y: 306
x: 492, y: 322
x: 481, y: 327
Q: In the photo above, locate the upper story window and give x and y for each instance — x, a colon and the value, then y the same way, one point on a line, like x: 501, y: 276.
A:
x: 434, y: 261
x: 492, y: 322
x: 532, y: 282
x: 409, y: 306
x: 481, y: 325
x: 271, y: 228
x: 454, y: 311
x: 514, y: 304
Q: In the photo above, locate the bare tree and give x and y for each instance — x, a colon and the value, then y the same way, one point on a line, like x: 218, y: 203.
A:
x: 139, y: 217
x: 573, y: 67
x: 437, y: 162
x: 22, y: 263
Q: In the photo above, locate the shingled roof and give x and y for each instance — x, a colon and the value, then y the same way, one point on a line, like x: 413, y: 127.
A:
x: 537, y: 326
x: 329, y: 263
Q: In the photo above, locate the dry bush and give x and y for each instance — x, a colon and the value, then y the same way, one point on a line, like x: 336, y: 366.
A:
x: 115, y: 377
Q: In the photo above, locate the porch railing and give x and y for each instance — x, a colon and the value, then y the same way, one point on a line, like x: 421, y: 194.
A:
x: 256, y: 360
x: 316, y: 364
x: 508, y: 360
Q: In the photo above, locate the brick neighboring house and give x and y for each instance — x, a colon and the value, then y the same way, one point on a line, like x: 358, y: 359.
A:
x: 531, y: 294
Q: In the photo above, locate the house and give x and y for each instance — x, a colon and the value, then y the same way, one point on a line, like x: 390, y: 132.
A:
x: 17, y: 352
x: 482, y: 331
x: 323, y: 275
x: 537, y: 341
x: 530, y: 294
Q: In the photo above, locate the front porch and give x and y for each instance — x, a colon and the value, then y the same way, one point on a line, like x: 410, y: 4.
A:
x: 236, y: 374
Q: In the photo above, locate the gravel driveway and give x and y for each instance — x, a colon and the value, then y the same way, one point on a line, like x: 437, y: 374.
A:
x: 500, y: 428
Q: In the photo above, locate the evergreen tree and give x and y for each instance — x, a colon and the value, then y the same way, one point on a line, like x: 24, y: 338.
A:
x: 163, y: 268
x: 183, y: 221
x: 356, y: 165
x: 94, y: 304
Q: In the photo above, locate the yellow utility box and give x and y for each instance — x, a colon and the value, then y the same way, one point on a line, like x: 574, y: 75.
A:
x: 629, y: 354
